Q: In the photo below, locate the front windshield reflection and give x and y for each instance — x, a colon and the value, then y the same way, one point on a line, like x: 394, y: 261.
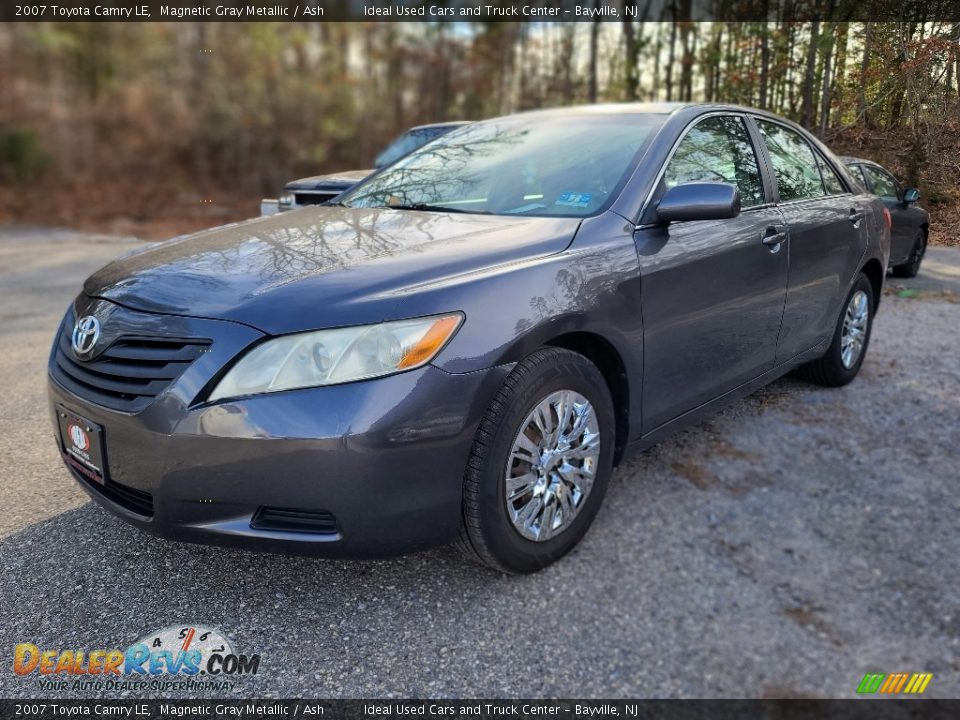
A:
x: 570, y: 166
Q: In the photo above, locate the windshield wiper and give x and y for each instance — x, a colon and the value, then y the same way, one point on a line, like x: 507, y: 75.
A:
x: 426, y: 207
x: 339, y: 203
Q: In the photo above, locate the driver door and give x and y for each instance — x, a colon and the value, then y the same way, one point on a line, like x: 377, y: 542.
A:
x: 712, y: 291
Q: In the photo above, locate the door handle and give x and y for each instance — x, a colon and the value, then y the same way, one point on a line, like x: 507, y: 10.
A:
x: 773, y: 237
x: 855, y: 217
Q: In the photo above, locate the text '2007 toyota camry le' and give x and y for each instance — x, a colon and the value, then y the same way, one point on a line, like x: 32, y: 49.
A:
x: 470, y: 340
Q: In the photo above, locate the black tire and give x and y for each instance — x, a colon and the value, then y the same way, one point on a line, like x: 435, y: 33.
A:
x: 911, y: 267
x: 488, y: 534
x: 829, y: 370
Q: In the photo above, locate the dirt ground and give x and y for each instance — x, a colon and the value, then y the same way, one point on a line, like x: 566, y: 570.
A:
x: 785, y: 547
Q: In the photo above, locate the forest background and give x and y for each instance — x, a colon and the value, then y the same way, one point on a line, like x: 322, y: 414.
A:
x: 155, y: 129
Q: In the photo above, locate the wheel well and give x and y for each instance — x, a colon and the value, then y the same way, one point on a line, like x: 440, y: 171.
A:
x: 874, y: 272
x: 605, y: 356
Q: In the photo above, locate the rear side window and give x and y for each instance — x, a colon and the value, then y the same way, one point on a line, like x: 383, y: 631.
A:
x: 718, y: 149
x: 794, y: 163
x: 831, y: 181
x: 883, y: 184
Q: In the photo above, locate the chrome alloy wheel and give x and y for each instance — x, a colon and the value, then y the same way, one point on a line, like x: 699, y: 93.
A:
x: 552, y: 464
x: 854, y: 333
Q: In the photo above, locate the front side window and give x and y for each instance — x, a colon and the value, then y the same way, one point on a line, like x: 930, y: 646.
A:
x: 883, y: 184
x: 794, y: 163
x: 718, y: 149
x: 567, y: 165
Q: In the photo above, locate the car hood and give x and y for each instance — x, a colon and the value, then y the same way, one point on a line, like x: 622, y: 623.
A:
x: 320, y: 266
x: 347, y: 178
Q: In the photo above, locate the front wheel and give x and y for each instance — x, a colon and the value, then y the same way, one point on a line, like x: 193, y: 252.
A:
x: 843, y: 358
x: 540, y: 463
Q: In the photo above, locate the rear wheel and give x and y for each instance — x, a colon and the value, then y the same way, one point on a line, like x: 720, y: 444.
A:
x: 911, y: 267
x: 540, y: 463
x: 843, y: 358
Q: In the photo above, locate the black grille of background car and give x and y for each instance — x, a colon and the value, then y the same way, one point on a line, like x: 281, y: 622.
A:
x: 315, y: 198
x: 129, y: 373
x: 279, y: 519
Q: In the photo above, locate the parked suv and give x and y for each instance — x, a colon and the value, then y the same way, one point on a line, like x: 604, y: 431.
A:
x: 910, y: 222
x: 323, y: 188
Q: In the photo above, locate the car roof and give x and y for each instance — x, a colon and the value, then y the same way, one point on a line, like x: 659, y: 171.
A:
x: 647, y: 108
x: 850, y: 160
x: 450, y: 123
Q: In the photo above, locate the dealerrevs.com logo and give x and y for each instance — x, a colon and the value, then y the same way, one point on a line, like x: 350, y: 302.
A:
x: 179, y: 657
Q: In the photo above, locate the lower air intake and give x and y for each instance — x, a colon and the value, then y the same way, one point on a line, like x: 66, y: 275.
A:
x: 320, y: 522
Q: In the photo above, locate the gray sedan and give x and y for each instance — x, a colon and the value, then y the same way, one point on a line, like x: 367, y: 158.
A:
x: 470, y: 341
x: 910, y: 223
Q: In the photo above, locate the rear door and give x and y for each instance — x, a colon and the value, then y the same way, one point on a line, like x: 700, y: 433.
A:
x: 827, y: 228
x: 712, y: 291
x: 902, y: 231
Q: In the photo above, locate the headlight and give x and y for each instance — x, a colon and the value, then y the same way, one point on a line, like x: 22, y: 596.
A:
x: 286, y: 200
x: 331, y: 357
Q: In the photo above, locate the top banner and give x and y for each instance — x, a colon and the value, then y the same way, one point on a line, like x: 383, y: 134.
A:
x: 458, y: 11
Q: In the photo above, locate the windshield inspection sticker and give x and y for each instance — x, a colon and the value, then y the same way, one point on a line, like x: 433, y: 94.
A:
x: 574, y: 199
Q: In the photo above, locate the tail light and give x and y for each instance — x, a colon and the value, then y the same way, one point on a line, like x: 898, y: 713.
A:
x: 887, y: 219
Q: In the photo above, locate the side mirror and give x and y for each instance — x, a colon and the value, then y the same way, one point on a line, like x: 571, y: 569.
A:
x: 699, y: 201
x: 911, y: 195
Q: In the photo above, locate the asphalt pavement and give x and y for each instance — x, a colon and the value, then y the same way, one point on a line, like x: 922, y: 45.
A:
x: 783, y: 548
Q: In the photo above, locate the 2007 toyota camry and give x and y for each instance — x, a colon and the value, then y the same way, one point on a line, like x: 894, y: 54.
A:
x: 472, y: 338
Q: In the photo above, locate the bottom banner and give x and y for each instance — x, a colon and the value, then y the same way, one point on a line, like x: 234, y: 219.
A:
x: 788, y: 709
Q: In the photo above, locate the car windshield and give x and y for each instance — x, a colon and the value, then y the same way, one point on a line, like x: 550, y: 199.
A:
x: 567, y: 166
x: 408, y: 142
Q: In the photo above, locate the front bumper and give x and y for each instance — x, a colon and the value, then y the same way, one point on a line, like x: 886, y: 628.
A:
x: 385, y: 457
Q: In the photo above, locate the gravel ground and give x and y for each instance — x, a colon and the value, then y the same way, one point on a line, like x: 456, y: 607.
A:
x: 783, y: 548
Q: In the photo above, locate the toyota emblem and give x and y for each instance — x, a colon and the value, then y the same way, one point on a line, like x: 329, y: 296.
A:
x: 85, y: 334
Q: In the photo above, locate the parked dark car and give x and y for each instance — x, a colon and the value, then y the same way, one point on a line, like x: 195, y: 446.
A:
x: 910, y: 222
x: 323, y: 188
x: 472, y: 339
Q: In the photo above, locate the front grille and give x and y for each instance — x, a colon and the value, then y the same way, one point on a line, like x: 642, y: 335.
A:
x: 316, y: 198
x: 136, y: 501
x: 130, y: 373
x: 279, y: 519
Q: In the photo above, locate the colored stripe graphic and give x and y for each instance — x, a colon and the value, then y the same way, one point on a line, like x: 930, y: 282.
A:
x: 870, y: 683
x: 918, y: 683
x: 895, y: 683
x: 889, y: 683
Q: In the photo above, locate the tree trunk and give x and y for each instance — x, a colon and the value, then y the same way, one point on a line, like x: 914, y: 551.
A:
x: 764, y: 58
x: 826, y: 83
x: 953, y: 63
x: 688, y: 41
x: 712, y: 66
x: 672, y: 53
x: 809, y: 77
x: 631, y: 76
x: 863, y: 110
x: 594, y: 38
x: 904, y: 33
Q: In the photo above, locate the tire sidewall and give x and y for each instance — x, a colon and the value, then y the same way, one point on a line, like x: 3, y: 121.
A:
x: 848, y: 374
x: 916, y: 256
x: 511, y: 549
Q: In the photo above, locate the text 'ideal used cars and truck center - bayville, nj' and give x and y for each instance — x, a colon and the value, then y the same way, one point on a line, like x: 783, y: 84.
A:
x: 307, y: 10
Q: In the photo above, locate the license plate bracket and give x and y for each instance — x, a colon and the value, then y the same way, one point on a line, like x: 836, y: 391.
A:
x: 81, y: 443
